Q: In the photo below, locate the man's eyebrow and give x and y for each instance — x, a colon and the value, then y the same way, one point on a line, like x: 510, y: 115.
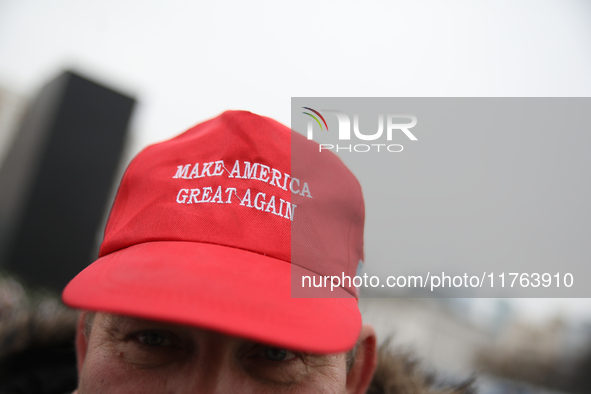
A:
x: 116, y: 324
x: 121, y: 323
x: 113, y: 324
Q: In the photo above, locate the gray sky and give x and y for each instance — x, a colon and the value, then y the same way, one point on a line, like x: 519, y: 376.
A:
x: 187, y: 61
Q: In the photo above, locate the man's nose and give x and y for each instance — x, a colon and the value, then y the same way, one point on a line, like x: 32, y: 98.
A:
x: 219, y: 382
x: 216, y: 373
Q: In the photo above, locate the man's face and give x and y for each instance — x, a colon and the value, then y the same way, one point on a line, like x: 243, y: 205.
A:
x: 128, y: 355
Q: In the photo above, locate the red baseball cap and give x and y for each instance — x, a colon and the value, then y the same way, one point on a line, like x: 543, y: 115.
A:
x: 213, y: 227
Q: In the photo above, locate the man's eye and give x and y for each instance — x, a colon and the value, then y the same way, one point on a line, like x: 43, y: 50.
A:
x: 153, y: 338
x: 147, y: 348
x: 275, y: 364
x: 276, y: 354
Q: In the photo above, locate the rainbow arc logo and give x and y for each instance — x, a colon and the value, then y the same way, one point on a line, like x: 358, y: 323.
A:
x: 315, y: 118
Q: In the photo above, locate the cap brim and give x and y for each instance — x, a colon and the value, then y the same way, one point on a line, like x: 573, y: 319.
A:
x: 215, y: 287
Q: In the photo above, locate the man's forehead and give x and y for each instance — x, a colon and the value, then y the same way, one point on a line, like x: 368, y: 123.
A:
x: 122, y: 323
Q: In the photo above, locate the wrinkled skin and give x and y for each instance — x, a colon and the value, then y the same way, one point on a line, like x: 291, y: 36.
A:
x: 128, y: 355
